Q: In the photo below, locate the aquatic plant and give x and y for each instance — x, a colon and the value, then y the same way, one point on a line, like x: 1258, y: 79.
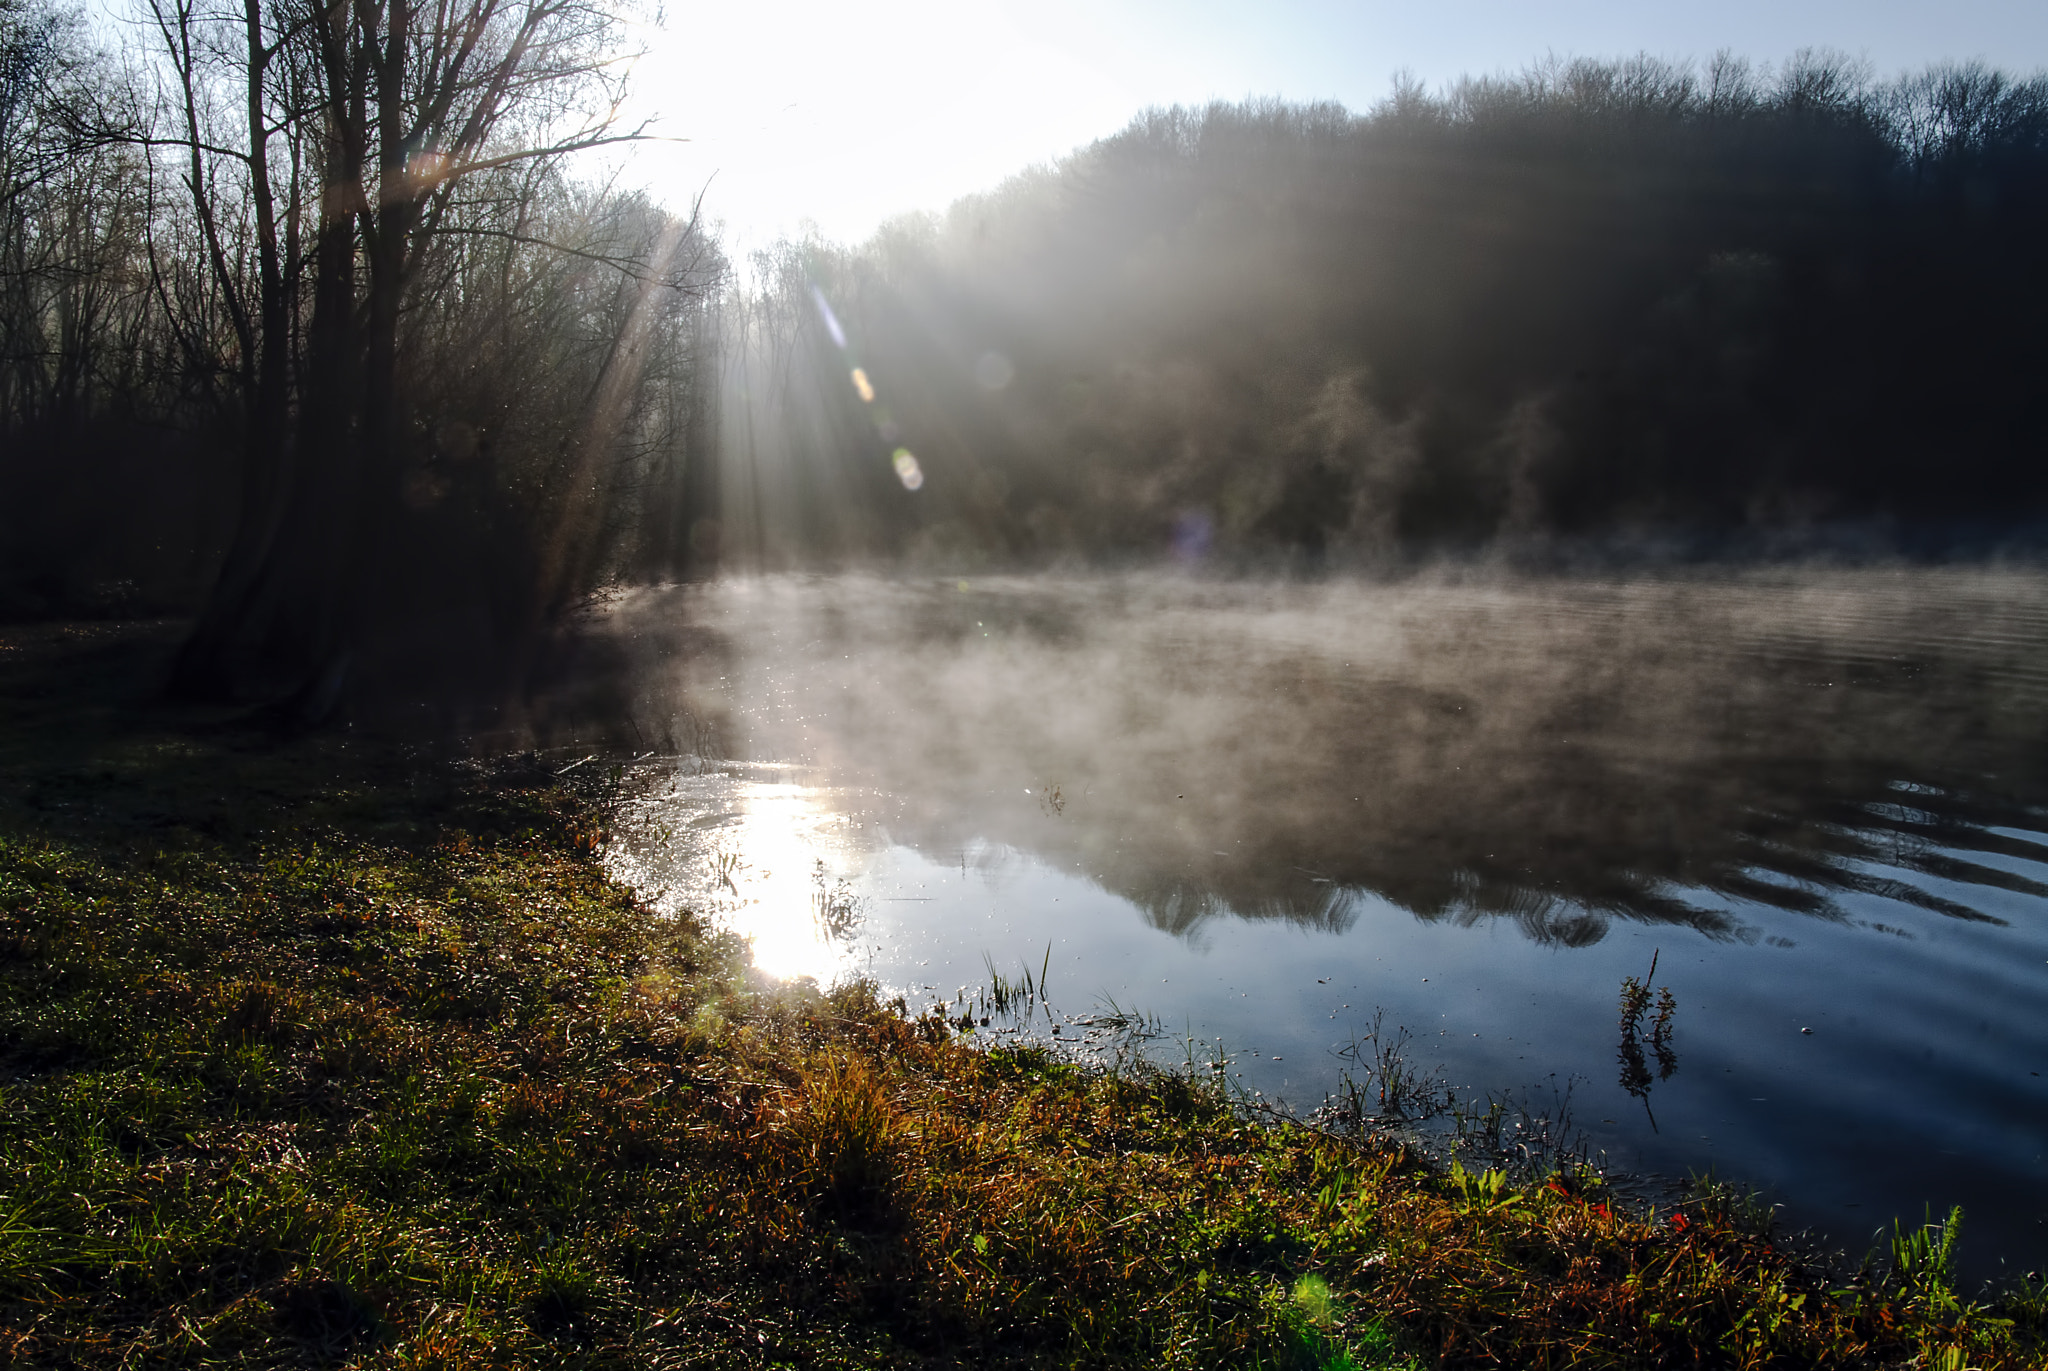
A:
x: 835, y: 909
x: 726, y: 865
x: 1014, y: 996
x: 1525, y: 1135
x: 1635, y: 1002
x: 1387, y: 1084
x: 1660, y: 1033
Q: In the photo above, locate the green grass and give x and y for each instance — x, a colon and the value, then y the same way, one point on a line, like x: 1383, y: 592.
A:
x: 322, y: 1054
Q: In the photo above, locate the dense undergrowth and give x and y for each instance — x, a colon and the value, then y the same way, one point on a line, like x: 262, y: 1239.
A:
x: 317, y: 1054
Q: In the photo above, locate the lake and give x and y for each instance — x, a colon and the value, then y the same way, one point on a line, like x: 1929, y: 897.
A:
x: 1297, y: 824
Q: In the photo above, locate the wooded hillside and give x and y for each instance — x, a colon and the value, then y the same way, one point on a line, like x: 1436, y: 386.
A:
x: 1600, y: 302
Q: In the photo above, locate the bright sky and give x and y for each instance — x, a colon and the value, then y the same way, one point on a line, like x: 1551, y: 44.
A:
x: 842, y: 114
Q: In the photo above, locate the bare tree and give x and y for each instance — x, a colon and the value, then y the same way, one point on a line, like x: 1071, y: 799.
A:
x: 231, y: 100
x: 403, y: 106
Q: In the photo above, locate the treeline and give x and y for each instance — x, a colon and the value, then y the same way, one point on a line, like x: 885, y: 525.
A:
x: 1592, y: 304
x: 306, y: 325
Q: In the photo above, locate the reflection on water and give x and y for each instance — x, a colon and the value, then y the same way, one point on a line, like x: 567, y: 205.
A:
x: 1636, y: 1078
x: 1261, y: 811
x: 758, y: 854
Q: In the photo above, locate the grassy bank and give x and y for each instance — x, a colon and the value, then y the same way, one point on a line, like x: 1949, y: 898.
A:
x: 318, y: 1053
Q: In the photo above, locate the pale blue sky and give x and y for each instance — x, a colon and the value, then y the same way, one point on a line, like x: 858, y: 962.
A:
x: 844, y: 113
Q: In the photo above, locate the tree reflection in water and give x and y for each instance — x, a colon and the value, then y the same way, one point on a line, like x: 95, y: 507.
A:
x: 1554, y: 754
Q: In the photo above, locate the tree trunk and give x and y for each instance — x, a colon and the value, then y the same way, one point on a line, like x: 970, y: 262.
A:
x: 205, y: 667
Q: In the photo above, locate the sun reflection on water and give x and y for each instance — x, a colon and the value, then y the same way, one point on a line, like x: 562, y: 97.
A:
x: 761, y: 856
x: 780, y: 876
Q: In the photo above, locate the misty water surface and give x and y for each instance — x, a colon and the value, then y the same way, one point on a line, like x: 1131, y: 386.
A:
x: 1264, y: 812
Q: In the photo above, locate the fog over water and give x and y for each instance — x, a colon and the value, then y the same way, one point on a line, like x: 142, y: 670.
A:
x: 1263, y: 811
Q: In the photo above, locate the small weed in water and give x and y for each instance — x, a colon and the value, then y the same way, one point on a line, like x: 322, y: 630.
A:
x: 1014, y: 997
x: 1386, y: 1084
x: 1636, y: 1077
x: 835, y: 909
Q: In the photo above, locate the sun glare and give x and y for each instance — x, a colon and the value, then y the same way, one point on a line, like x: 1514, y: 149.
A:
x: 781, y: 863
x: 940, y: 99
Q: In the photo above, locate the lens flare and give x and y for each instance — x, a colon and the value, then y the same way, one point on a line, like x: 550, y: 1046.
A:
x: 1192, y: 533
x: 831, y: 319
x: 425, y: 170
x: 864, y: 386
x: 907, y: 469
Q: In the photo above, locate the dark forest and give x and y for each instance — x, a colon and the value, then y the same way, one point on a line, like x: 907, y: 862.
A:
x: 309, y: 328
x: 1601, y: 305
